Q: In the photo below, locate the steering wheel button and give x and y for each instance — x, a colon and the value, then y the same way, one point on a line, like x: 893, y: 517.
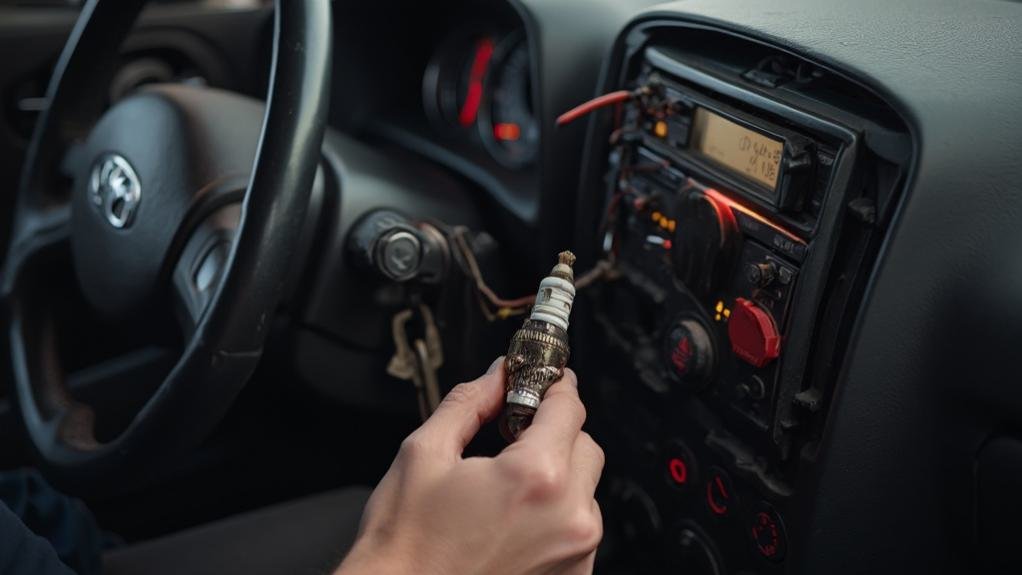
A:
x: 210, y: 267
x: 753, y: 333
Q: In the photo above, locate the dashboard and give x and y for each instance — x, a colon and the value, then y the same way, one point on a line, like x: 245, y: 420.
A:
x: 805, y: 358
x: 799, y: 200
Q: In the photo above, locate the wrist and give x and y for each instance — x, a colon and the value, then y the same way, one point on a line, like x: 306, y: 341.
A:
x: 368, y: 559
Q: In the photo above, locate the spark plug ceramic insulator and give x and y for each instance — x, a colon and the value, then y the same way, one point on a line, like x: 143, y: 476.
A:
x: 539, y: 350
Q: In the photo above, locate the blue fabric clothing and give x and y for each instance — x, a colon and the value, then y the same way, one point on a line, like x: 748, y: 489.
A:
x: 25, y: 553
x: 44, y: 531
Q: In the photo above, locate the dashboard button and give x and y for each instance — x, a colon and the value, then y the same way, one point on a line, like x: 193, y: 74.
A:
x: 690, y: 354
x: 766, y: 531
x: 753, y: 333
x: 678, y: 470
x: 761, y: 274
x: 720, y: 493
x: 694, y: 554
x: 680, y: 466
x: 636, y: 526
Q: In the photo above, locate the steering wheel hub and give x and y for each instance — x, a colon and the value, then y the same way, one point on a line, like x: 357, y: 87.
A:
x: 163, y: 159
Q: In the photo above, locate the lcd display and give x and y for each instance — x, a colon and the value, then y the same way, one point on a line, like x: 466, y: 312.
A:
x: 738, y: 148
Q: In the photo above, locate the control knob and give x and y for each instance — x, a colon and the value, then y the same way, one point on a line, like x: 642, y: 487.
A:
x: 689, y: 351
x: 693, y: 553
x: 706, y: 242
x: 753, y: 333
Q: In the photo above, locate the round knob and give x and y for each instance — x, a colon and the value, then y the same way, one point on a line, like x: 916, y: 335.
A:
x: 693, y: 554
x: 761, y: 274
x: 705, y: 243
x: 690, y: 353
x: 753, y: 333
x: 634, y: 537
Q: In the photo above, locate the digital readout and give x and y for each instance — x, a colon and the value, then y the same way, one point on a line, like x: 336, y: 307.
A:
x: 732, y: 146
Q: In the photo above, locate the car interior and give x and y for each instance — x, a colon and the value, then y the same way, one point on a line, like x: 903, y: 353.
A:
x: 249, y: 245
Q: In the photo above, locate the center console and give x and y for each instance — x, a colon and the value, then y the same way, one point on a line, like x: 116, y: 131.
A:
x: 743, y: 196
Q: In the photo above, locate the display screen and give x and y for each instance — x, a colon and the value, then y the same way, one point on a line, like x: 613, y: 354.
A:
x: 741, y: 149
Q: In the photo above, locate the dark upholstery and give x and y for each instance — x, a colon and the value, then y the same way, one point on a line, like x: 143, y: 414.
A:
x: 307, y: 536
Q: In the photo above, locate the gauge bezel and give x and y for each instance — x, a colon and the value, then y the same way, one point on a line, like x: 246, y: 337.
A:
x: 448, y: 60
x: 484, y: 122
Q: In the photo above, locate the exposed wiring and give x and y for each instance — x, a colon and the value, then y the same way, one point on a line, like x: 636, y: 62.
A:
x: 595, y: 104
x: 506, y: 308
x: 601, y: 270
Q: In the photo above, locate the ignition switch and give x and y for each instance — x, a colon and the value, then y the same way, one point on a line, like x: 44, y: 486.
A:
x: 398, y: 248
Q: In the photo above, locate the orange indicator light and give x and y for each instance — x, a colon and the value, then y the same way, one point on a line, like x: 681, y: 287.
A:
x: 507, y: 132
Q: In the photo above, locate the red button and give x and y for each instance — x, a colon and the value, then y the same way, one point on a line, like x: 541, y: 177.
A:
x: 766, y: 531
x: 720, y: 494
x: 753, y: 333
x: 679, y: 470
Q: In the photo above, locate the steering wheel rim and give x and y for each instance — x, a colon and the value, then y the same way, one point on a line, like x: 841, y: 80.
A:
x: 228, y: 338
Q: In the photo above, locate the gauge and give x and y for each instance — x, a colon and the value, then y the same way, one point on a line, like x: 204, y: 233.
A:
x: 507, y: 124
x: 452, y: 87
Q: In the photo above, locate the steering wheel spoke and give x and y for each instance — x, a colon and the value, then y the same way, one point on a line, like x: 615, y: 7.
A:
x: 200, y: 269
x: 37, y: 231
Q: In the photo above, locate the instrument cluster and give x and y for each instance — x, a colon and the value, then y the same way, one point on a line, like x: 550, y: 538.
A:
x: 478, y: 87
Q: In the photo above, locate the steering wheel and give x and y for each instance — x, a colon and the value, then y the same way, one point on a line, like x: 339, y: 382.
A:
x: 155, y: 173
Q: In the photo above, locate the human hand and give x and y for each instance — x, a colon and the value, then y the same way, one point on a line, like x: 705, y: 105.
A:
x: 529, y: 510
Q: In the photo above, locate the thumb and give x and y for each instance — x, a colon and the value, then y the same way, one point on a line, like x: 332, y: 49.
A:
x: 464, y: 410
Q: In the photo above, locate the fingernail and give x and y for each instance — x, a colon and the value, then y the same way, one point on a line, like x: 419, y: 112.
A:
x: 571, y: 377
x: 493, y: 366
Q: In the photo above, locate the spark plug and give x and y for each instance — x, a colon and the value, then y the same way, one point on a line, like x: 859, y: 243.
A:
x: 539, y: 349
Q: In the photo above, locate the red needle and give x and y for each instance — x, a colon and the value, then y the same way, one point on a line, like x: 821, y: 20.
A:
x: 474, y: 95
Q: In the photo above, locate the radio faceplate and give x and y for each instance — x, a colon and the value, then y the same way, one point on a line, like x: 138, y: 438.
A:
x: 708, y: 136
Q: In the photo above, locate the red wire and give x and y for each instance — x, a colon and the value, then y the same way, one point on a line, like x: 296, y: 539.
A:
x: 595, y: 103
